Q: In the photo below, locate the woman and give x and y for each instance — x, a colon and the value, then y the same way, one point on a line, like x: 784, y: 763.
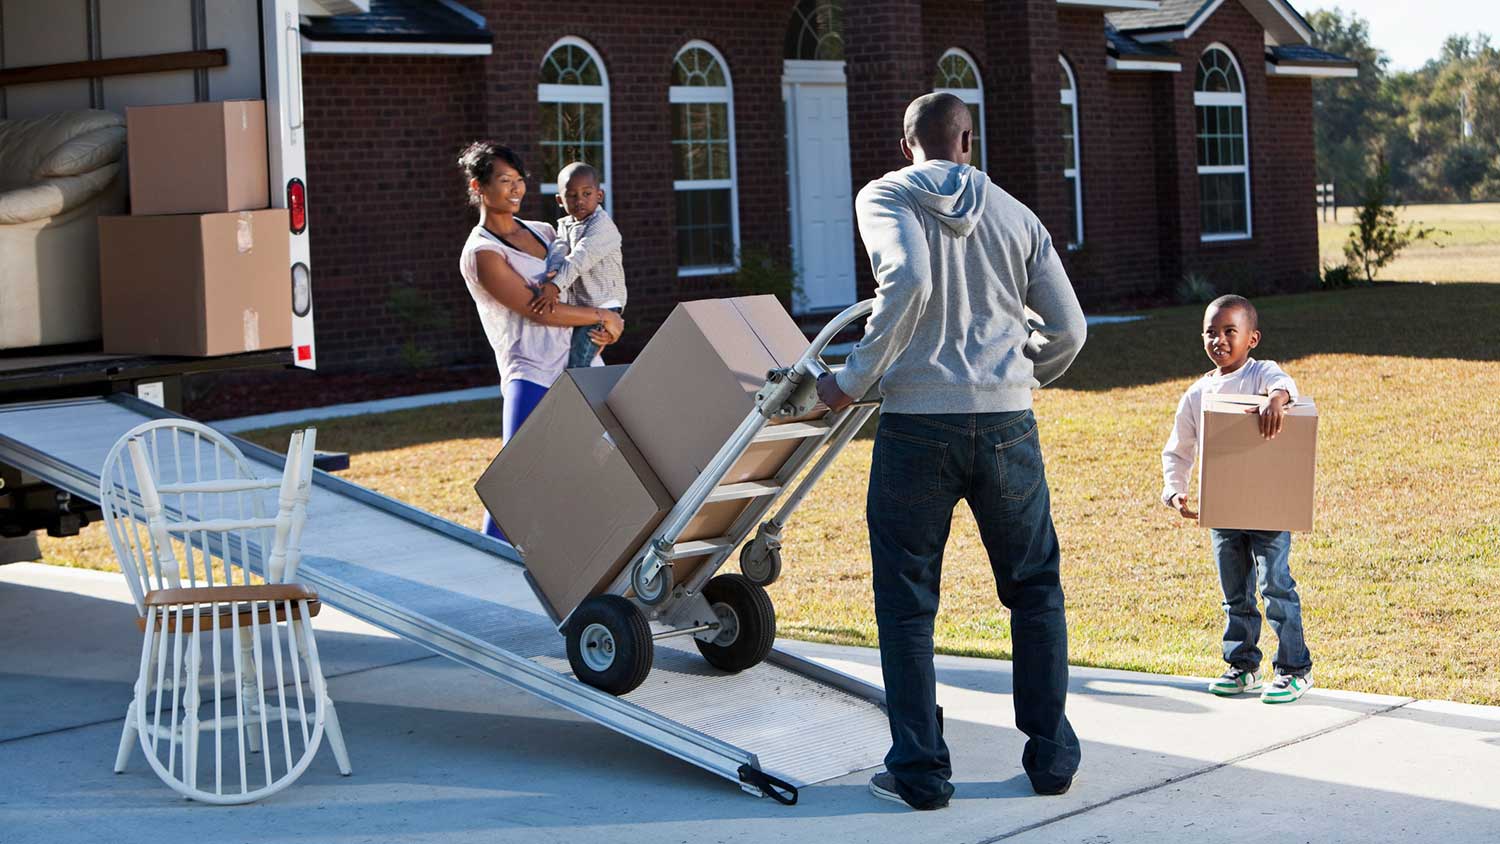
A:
x: 503, y: 262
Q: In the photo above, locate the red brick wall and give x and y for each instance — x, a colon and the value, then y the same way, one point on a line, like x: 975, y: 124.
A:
x: 1282, y: 252
x: 387, y: 204
x: 1118, y: 260
x: 886, y: 70
x: 386, y: 208
x: 1021, y: 47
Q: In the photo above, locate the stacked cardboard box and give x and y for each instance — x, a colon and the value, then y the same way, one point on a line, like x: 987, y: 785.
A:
x: 1248, y: 482
x: 201, y: 265
x: 608, y: 452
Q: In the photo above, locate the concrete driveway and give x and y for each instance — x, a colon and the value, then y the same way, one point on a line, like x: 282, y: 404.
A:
x: 442, y: 753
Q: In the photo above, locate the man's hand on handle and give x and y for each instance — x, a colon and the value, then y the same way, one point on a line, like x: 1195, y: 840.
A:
x: 830, y: 394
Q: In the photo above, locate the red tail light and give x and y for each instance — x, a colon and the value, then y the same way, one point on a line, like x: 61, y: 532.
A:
x: 296, y: 205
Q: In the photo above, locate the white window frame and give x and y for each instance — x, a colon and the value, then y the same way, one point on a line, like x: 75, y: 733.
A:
x: 1069, y: 97
x: 682, y: 95
x: 1206, y: 98
x: 970, y: 96
x: 591, y: 94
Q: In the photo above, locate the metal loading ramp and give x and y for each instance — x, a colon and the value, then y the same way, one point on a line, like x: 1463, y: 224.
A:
x: 463, y: 595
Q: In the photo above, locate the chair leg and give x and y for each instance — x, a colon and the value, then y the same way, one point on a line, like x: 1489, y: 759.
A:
x: 191, y: 702
x: 144, y: 682
x: 330, y: 714
x: 249, y: 689
x: 336, y: 737
x: 127, y: 738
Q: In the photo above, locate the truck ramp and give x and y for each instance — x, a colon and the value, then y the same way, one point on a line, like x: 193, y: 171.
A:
x: 463, y: 595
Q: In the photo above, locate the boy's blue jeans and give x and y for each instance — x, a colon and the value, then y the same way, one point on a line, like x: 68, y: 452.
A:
x: 922, y: 467
x: 584, y: 350
x: 1251, y: 559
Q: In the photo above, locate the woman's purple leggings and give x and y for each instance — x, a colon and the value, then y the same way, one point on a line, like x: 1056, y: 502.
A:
x: 520, y: 397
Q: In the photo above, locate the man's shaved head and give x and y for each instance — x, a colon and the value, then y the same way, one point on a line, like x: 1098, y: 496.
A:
x: 935, y: 123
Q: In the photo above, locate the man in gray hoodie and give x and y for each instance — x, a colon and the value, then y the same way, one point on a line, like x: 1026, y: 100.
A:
x: 958, y: 261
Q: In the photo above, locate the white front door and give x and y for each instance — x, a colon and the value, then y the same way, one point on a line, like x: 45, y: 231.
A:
x: 822, y: 211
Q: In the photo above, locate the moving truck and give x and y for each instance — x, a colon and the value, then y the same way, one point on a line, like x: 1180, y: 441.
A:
x: 111, y: 56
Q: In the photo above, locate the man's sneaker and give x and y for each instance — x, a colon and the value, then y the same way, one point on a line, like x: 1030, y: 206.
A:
x: 1054, y: 791
x: 1286, y: 688
x: 883, y: 785
x: 1235, y: 681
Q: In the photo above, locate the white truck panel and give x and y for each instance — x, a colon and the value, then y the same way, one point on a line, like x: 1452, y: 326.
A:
x: 232, y: 24
x: 139, y: 28
x: 43, y: 33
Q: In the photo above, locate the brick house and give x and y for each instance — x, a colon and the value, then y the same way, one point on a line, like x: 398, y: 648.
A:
x: 1154, y: 137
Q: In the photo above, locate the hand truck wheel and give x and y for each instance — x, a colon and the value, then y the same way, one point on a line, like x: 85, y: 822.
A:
x: 609, y: 644
x: 747, y: 623
x: 655, y: 590
x: 760, y: 562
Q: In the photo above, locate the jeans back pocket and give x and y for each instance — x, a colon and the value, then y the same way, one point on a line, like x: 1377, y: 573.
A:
x: 1019, y: 464
x: 909, y: 468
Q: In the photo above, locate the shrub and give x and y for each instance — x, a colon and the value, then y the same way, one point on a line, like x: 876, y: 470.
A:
x: 1377, y: 237
x: 1196, y: 289
x: 1339, y: 276
x: 763, y: 272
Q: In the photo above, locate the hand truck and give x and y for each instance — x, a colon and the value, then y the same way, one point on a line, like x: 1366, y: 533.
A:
x: 611, y: 636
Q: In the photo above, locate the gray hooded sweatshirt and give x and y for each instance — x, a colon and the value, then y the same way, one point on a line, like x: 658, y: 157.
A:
x: 958, y: 262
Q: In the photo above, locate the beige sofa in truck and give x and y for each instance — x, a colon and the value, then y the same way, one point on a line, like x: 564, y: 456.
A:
x: 58, y: 173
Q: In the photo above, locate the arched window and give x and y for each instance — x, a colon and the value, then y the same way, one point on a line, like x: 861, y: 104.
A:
x: 816, y: 31
x: 1223, y: 147
x: 574, y: 97
x: 1072, y: 160
x: 702, y: 97
x: 957, y: 74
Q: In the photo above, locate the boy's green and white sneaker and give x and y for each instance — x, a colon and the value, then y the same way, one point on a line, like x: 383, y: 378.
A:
x: 1235, y: 681
x: 1286, y: 688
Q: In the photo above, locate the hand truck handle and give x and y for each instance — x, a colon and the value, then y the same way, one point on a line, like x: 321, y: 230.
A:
x: 811, y: 362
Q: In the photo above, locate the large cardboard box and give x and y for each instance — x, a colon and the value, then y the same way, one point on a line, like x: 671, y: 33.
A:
x: 577, y: 499
x: 195, y: 284
x: 572, y: 493
x: 1248, y: 482
x: 695, y: 382
x: 198, y: 158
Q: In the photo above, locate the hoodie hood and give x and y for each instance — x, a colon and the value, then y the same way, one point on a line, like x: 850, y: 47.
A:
x: 953, y: 193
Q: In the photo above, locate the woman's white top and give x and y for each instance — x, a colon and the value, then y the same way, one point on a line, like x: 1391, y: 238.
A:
x: 523, y: 349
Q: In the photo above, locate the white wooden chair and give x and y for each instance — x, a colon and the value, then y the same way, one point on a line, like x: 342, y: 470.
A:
x: 185, y: 512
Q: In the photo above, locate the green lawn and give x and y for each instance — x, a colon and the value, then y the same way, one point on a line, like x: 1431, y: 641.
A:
x: 1466, y: 249
x: 1400, y: 580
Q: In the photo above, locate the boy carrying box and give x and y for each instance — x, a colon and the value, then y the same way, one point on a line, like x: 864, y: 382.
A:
x: 1246, y: 559
x: 584, y: 260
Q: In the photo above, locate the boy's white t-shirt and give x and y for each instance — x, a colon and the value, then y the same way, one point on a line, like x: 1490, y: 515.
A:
x: 523, y: 349
x: 1255, y: 378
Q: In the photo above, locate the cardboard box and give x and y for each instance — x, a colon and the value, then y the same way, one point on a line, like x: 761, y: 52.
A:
x: 195, y: 284
x: 572, y: 493
x: 198, y: 158
x: 1248, y: 482
x: 695, y: 382
x: 576, y: 497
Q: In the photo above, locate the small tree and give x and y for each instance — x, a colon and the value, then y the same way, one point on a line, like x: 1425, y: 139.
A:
x: 1378, y: 237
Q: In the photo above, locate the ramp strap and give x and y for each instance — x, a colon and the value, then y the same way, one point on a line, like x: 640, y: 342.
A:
x: 777, y: 789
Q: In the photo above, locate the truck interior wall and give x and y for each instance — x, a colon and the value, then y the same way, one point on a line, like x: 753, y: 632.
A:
x: 35, y: 33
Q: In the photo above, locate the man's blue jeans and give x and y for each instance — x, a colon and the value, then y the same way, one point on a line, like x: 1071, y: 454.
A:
x: 1251, y: 559
x: 923, y: 466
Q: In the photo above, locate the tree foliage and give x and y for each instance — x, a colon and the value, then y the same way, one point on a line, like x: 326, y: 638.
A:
x: 1438, y: 127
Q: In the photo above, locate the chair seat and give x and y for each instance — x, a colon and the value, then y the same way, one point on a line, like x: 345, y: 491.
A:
x: 230, y: 615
